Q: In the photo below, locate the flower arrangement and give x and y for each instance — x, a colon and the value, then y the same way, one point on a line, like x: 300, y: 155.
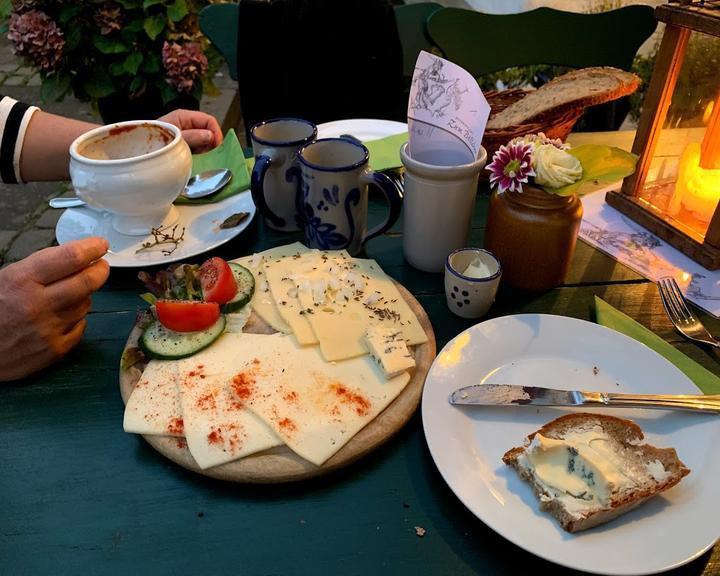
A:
x: 555, y: 167
x: 99, y: 48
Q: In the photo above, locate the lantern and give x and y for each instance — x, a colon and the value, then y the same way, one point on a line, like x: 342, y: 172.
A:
x: 675, y: 189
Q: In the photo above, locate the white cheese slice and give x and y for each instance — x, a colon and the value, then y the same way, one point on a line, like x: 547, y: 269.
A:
x: 154, y: 405
x: 262, y: 302
x: 388, y: 349
x: 218, y: 426
x: 316, y: 407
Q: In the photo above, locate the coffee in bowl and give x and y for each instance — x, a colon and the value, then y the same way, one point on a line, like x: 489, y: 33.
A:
x: 133, y: 170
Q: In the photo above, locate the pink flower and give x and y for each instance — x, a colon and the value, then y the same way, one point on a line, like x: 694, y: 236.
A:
x: 184, y: 64
x: 511, y: 167
x: 38, y: 38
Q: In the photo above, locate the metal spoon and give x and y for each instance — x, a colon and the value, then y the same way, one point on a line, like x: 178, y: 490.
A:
x: 206, y: 183
x: 198, y: 186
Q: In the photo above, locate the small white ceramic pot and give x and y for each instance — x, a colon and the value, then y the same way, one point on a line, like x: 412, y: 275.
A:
x: 133, y: 170
x: 470, y: 296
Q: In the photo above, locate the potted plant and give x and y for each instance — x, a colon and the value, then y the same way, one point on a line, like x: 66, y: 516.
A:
x: 535, y: 210
x: 132, y: 58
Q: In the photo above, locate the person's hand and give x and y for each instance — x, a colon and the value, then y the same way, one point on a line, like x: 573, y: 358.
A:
x: 200, y: 130
x: 43, y: 303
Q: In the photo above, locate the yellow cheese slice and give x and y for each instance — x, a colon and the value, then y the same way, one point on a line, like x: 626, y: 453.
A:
x: 218, y: 426
x: 262, y: 302
x: 154, y: 405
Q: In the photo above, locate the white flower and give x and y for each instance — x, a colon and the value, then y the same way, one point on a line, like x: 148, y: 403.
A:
x: 555, y: 167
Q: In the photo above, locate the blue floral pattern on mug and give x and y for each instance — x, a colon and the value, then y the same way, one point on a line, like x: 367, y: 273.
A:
x: 322, y: 234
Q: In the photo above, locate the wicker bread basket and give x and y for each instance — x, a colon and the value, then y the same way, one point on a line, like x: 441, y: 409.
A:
x: 555, y: 124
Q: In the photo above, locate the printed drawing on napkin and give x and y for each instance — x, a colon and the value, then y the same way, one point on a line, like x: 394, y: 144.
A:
x: 447, y: 112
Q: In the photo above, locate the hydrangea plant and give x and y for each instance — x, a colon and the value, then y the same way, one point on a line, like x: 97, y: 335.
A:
x: 98, y: 48
x: 555, y: 167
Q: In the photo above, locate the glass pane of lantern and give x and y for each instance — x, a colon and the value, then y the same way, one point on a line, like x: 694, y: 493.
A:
x: 683, y: 181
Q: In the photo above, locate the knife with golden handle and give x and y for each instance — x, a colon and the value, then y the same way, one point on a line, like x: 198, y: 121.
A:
x: 514, y: 395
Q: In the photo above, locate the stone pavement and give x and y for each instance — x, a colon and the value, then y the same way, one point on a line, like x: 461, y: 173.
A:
x: 27, y: 224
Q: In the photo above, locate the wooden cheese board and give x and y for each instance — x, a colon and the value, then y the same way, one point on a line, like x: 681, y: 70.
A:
x: 281, y: 464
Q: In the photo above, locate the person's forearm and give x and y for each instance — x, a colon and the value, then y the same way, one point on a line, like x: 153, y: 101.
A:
x: 45, y: 152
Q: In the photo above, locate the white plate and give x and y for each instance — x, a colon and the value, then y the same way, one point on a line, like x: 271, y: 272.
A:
x: 201, y: 223
x: 364, y: 129
x: 467, y: 443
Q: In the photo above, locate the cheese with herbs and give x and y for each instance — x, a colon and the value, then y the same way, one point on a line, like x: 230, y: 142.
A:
x: 340, y: 297
x: 279, y: 273
x: 263, y: 303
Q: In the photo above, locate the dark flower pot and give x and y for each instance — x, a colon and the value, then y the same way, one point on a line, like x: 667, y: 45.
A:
x: 119, y: 107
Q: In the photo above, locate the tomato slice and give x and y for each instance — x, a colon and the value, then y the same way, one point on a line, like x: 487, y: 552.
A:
x: 186, y: 315
x: 217, y: 281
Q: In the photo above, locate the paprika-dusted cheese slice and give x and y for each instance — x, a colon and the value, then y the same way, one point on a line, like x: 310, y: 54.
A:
x: 218, y: 428
x: 154, y: 406
x: 315, y: 406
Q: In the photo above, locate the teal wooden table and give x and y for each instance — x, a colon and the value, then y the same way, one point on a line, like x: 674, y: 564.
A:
x: 79, y: 496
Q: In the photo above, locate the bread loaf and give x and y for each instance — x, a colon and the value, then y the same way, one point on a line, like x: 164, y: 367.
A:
x: 588, y: 468
x: 576, y: 89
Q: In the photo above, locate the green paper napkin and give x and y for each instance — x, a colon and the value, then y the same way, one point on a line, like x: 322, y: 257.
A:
x: 228, y: 155
x: 608, y: 316
x: 385, y: 152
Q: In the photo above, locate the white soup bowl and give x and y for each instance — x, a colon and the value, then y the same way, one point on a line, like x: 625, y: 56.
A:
x: 133, y: 170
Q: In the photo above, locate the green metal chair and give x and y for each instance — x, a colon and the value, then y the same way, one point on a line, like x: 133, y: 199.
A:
x: 219, y: 23
x: 411, y: 22
x: 483, y: 43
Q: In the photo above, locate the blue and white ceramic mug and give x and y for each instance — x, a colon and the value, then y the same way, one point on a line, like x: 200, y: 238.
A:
x: 334, y: 180
x: 275, y: 180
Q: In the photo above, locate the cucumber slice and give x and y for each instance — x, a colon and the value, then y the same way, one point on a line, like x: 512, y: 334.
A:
x: 245, y: 285
x: 164, y: 344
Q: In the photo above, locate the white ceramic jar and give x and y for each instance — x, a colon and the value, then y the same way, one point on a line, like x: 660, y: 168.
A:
x: 133, y: 170
x: 437, y: 209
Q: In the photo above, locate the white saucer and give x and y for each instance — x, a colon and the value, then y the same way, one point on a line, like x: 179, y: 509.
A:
x: 201, y: 223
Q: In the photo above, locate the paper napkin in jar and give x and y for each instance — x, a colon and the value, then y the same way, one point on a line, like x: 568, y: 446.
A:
x: 228, y: 155
x: 609, y: 317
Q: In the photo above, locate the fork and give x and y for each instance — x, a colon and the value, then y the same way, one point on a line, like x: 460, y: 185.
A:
x: 680, y: 314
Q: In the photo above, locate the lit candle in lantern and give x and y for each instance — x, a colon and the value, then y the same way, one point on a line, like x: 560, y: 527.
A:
x: 698, y: 183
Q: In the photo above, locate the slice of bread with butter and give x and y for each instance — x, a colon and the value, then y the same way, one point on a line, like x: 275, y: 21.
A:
x: 589, y: 468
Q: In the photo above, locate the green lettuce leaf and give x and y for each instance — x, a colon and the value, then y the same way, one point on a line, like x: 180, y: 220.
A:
x: 601, y: 165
